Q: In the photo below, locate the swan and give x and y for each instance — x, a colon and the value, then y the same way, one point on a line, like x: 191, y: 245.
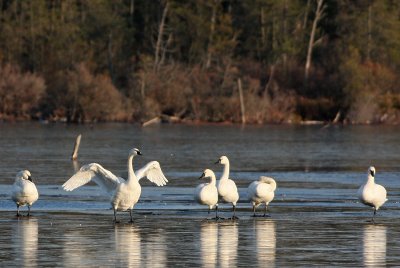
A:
x: 207, y: 193
x: 261, y: 191
x: 372, y: 194
x: 227, y: 189
x: 124, y: 194
x: 24, y: 191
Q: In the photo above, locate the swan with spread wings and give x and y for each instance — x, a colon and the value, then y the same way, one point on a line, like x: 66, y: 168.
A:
x: 124, y: 193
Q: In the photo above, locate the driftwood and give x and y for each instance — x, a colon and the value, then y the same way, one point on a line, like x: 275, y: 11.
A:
x: 155, y: 120
x: 76, y: 147
x: 162, y: 119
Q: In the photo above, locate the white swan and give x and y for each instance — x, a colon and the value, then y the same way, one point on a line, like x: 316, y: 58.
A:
x: 227, y: 189
x: 207, y: 193
x: 372, y: 194
x: 24, y: 191
x: 124, y: 194
x: 261, y: 191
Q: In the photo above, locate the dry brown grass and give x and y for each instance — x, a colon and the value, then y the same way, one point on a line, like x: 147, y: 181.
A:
x: 20, y: 93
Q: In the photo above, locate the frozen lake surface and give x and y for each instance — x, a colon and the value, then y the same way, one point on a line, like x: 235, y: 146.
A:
x: 315, y: 217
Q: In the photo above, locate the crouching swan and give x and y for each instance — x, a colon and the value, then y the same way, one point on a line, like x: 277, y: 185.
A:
x: 124, y: 194
x: 261, y: 191
x: 24, y: 191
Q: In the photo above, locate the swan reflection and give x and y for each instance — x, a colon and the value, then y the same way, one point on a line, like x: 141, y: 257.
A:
x: 128, y: 245
x: 265, y: 242
x: 228, y: 244
x: 26, y: 240
x: 374, y: 245
x: 219, y: 244
x: 209, y: 244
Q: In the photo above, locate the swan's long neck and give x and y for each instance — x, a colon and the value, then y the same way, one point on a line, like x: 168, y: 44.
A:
x: 131, y: 173
x: 213, y: 180
x: 370, y: 179
x: 225, y: 172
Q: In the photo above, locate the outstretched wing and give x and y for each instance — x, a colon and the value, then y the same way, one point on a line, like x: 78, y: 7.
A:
x: 153, y: 172
x: 101, y: 176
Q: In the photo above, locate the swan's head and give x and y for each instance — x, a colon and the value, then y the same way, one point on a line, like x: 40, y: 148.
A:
x: 25, y: 175
x: 208, y: 173
x: 371, y: 171
x: 223, y: 160
x: 135, y: 152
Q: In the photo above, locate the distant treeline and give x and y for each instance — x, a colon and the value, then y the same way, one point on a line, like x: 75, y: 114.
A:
x: 132, y: 60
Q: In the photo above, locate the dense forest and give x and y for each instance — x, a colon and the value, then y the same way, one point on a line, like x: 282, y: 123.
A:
x: 259, y: 61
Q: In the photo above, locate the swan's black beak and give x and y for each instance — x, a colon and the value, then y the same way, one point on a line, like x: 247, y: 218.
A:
x: 372, y: 173
x: 139, y: 153
x: 219, y: 161
x: 202, y: 176
x: 30, y: 179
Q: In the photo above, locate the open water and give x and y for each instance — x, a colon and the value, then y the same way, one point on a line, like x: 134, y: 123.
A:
x: 315, y: 217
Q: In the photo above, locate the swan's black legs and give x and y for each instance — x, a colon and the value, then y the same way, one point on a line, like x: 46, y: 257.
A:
x: 234, y: 213
x: 216, y: 213
x: 29, y: 210
x: 115, y: 216
x: 130, y: 213
x: 265, y: 211
x: 373, y: 217
x: 18, y: 211
x: 254, y: 210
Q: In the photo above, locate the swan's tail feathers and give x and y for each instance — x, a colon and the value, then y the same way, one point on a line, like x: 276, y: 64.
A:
x: 153, y: 172
x: 101, y: 176
x: 268, y: 180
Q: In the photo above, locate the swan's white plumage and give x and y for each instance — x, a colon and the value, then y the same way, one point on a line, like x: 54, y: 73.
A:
x: 24, y: 191
x: 101, y: 176
x: 152, y: 171
x: 262, y: 191
x: 370, y: 193
x: 207, y: 193
x: 124, y: 194
x: 227, y: 189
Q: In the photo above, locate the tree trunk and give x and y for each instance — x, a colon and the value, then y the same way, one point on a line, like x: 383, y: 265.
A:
x: 164, y: 50
x: 369, y: 31
x: 242, y: 109
x: 110, y: 57
x: 160, y: 37
x: 311, y: 43
x: 211, y: 36
x: 263, y: 31
x: 132, y: 9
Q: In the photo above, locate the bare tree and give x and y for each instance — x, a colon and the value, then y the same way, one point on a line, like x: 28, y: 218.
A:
x: 161, y: 28
x: 311, y: 44
x: 242, y: 108
x: 212, y: 31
